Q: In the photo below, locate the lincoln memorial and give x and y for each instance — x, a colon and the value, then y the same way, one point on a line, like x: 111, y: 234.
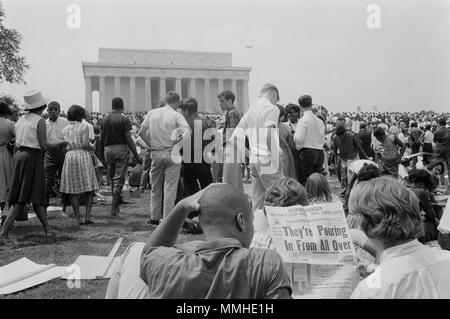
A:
x: 143, y: 77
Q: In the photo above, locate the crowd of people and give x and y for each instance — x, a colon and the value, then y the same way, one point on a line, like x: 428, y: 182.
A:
x: 390, y: 167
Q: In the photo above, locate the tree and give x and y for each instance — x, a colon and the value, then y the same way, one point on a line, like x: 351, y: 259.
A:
x: 12, y: 65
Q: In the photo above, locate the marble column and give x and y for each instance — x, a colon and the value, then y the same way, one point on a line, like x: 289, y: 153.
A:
x: 102, y: 95
x: 162, y: 88
x: 148, y: 94
x: 207, y: 106
x: 219, y: 86
x: 245, y: 98
x: 178, y: 86
x: 88, y: 93
x: 117, y: 86
x: 192, y: 88
x: 132, y: 94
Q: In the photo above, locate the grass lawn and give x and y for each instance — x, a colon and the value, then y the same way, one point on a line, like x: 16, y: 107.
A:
x: 73, y: 240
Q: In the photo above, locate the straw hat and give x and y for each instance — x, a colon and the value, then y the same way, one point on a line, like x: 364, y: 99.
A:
x: 34, y: 100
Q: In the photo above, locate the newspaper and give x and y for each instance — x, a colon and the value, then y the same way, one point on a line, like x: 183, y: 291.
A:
x: 315, y: 244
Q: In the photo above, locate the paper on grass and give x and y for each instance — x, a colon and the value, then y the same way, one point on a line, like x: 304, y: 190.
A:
x: 94, y: 267
x: 90, y: 267
x: 23, y: 274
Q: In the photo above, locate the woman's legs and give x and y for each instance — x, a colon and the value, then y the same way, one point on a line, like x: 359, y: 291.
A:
x: 89, y: 199
x: 74, y: 199
x: 14, y: 211
x: 41, y: 213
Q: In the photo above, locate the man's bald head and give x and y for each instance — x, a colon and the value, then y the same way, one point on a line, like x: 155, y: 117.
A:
x: 224, y: 210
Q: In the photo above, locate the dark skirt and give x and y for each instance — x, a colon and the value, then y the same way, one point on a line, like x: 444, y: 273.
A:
x: 28, y: 183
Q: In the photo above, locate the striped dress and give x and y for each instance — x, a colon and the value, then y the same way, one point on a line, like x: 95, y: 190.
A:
x: 78, y: 173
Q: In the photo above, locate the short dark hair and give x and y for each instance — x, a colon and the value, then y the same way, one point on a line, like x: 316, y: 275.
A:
x: 227, y: 95
x: 55, y: 104
x: 172, y: 97
x: 421, y: 176
x: 340, y: 130
x: 413, y: 124
x: 367, y: 172
x: 442, y: 121
x: 292, y: 108
x: 97, y: 129
x: 379, y: 131
x: 437, y: 163
x: 189, y: 104
x: 4, y: 109
x: 362, y: 126
x: 305, y: 101
x: 117, y: 103
x: 76, y: 113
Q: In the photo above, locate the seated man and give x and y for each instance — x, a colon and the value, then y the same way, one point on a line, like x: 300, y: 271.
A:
x: 222, y: 266
x: 125, y: 282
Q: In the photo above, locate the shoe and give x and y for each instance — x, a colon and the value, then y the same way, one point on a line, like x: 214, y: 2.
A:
x: 153, y: 222
x: 88, y: 222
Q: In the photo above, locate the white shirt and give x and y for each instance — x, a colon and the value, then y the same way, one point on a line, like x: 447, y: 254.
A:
x: 411, y: 271
x: 261, y: 115
x: 26, y: 131
x: 310, y: 132
x: 54, y: 129
x: 428, y: 137
x: 164, y: 125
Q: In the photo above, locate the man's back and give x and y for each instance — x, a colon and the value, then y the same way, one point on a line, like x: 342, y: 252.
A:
x: 221, y: 268
x: 114, y: 129
x: 161, y: 124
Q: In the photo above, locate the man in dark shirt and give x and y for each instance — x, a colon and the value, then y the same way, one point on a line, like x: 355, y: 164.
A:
x: 442, y: 140
x: 415, y: 136
x: 195, y: 170
x: 221, y: 266
x: 347, y: 147
x: 115, y: 146
x: 365, y: 136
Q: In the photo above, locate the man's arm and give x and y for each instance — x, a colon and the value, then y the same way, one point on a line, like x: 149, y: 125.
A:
x: 102, y: 143
x: 166, y: 234
x: 402, y: 147
x: 300, y: 133
x: 144, y: 136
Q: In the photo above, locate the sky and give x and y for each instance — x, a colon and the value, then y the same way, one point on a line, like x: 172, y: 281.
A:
x: 319, y: 47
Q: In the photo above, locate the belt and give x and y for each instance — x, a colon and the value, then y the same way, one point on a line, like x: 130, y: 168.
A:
x: 161, y: 150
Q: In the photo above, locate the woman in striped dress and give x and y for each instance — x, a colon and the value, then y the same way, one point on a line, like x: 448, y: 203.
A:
x: 78, y: 173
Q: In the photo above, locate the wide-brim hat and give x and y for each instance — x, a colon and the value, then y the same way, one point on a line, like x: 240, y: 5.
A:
x: 34, y: 100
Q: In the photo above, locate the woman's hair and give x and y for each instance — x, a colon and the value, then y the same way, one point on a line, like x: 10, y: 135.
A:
x: 368, y: 171
x: 285, y: 192
x: 282, y: 111
x: 386, y: 209
x: 4, y: 109
x: 318, y: 189
x: 421, y: 178
x: 76, y: 113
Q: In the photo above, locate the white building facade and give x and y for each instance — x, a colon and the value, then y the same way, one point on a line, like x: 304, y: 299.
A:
x: 143, y: 77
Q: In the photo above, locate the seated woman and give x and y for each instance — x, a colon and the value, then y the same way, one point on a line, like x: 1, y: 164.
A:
x: 281, y: 193
x: 421, y: 184
x: 389, y: 214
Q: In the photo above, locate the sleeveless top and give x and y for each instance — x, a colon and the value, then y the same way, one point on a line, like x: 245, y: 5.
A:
x: 26, y: 131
